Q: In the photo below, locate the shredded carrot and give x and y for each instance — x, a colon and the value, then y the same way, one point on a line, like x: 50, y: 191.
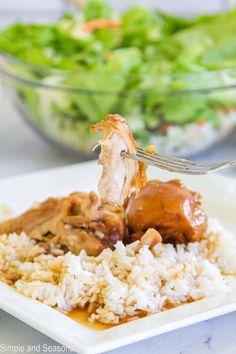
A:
x: 97, y: 24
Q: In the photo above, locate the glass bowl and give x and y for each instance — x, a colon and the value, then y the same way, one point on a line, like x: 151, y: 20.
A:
x: 62, y: 110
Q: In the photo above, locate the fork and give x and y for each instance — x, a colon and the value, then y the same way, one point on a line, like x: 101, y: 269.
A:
x: 174, y: 164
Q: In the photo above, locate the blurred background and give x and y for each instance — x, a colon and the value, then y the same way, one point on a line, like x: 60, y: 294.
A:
x: 187, y: 108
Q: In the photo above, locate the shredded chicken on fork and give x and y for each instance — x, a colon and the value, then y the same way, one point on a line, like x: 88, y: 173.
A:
x: 119, y: 175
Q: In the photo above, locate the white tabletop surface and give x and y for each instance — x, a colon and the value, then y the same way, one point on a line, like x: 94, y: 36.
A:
x: 22, y: 151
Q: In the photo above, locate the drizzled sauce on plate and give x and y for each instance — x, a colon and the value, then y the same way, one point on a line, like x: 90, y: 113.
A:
x: 82, y: 316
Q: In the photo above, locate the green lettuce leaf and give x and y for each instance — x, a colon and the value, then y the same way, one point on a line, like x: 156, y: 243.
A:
x: 95, y: 9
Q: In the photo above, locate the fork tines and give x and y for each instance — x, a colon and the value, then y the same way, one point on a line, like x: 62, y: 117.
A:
x: 173, y: 164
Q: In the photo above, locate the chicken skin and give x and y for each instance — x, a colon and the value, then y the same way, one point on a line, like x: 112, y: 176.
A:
x: 170, y: 208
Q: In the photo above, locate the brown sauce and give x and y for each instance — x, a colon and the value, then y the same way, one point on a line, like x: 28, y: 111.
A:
x: 170, y: 306
x: 82, y: 316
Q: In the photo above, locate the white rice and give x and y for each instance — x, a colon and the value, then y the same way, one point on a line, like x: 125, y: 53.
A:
x: 125, y: 282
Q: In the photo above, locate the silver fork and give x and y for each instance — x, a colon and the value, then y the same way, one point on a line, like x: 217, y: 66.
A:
x: 174, y: 164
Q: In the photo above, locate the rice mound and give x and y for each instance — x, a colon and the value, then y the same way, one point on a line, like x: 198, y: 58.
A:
x: 125, y: 282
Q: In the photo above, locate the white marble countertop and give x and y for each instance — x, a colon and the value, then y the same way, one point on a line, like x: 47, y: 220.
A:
x: 22, y: 151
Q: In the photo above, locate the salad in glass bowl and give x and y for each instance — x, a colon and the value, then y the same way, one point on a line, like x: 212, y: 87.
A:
x: 172, y: 78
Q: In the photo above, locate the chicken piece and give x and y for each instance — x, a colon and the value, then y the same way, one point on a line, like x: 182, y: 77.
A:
x: 119, y: 174
x: 41, y: 219
x: 168, y: 207
x: 75, y: 222
x: 94, y: 226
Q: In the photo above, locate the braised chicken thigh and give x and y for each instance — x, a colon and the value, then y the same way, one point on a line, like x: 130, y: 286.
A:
x: 77, y: 222
x: 170, y: 208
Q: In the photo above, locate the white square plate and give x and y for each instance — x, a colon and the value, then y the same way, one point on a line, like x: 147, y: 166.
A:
x: 219, y: 195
